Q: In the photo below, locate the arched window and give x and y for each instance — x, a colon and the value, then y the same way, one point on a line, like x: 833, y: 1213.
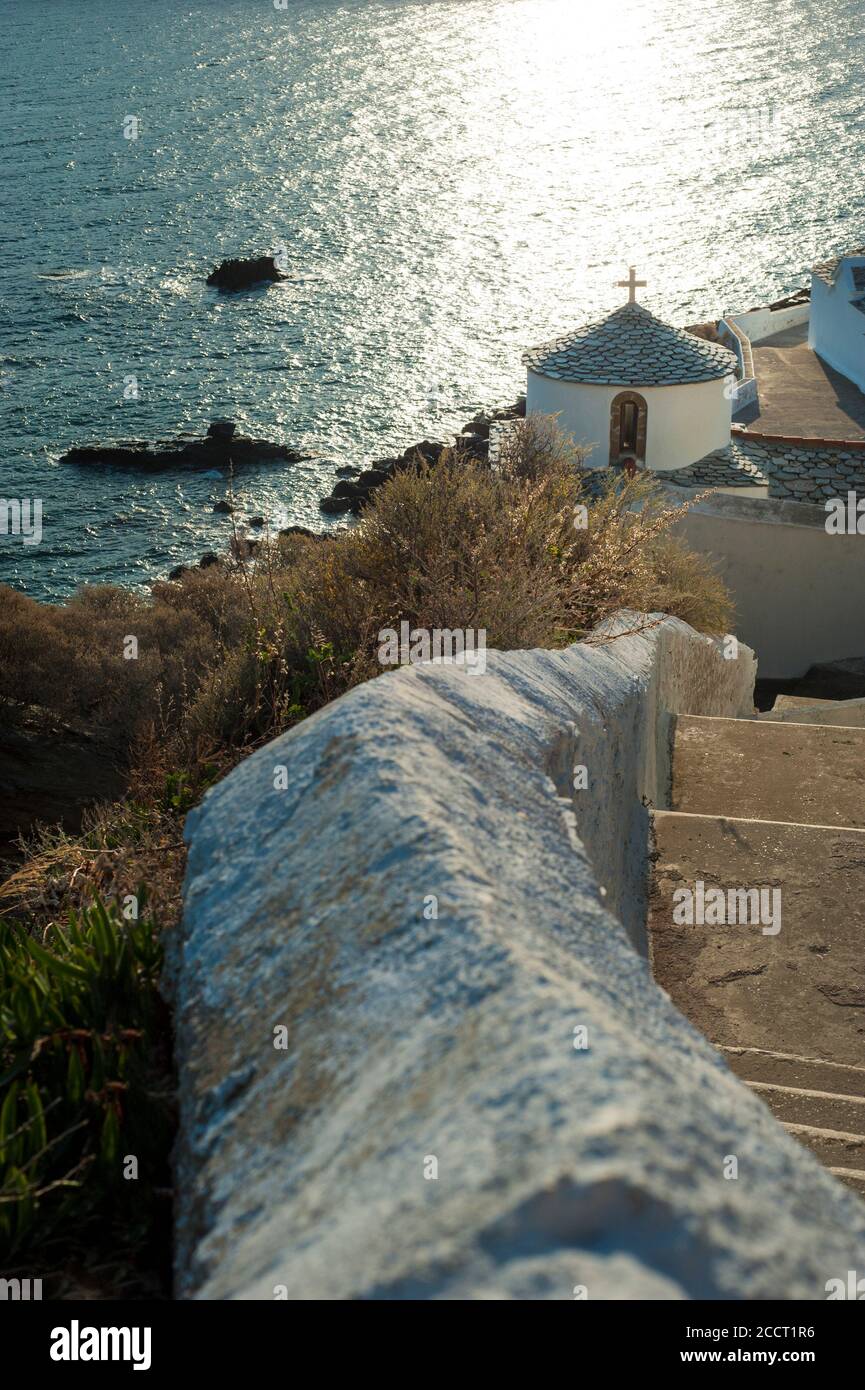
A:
x: 628, y: 414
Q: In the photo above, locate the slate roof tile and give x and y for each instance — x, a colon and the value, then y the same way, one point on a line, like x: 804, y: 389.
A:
x: 630, y: 347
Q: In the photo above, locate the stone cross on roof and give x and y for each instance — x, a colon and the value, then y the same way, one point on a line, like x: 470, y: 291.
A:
x: 632, y: 284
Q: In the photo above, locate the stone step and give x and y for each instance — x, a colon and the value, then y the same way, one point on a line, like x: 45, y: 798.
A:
x: 853, y: 1177
x: 758, y: 770
x: 819, y: 1109
x: 786, y: 1069
x: 834, y: 1148
x: 794, y: 992
x: 805, y: 709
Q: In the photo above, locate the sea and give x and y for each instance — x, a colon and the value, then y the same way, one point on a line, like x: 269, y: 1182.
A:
x: 446, y: 182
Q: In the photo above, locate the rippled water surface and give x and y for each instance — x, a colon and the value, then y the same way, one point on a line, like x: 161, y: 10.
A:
x: 452, y: 182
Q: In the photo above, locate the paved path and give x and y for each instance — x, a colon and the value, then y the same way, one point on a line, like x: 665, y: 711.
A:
x: 800, y: 394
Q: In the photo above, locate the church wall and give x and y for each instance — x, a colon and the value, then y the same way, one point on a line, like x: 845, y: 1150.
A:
x: 798, y: 590
x: 684, y: 422
x: 583, y: 411
x: 687, y: 422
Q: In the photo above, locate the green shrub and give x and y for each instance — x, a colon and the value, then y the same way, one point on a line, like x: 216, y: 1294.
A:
x: 85, y: 1087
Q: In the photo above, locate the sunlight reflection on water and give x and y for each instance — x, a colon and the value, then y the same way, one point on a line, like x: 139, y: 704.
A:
x: 453, y: 181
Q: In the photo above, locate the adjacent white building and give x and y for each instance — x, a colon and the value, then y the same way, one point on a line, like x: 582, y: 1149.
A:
x: 630, y: 387
x: 837, y: 323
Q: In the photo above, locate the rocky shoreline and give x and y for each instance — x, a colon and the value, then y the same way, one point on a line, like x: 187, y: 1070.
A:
x: 356, y: 485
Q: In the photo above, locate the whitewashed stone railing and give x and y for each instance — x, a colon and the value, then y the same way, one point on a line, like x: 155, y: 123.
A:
x: 745, y: 388
x: 419, y: 1055
x: 769, y: 319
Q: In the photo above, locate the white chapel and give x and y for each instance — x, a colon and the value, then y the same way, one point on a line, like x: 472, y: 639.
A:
x: 756, y: 419
x: 630, y: 388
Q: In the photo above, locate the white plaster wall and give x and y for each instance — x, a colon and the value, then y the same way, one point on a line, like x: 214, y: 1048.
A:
x: 744, y: 390
x: 837, y: 330
x: 763, y: 323
x: 744, y: 393
x: 583, y: 412
x: 684, y: 422
x: 799, y: 593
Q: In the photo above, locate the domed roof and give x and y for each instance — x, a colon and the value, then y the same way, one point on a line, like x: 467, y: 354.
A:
x: 630, y: 347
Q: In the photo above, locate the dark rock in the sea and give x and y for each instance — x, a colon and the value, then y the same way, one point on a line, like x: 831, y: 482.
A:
x: 216, y: 450
x: 178, y: 572
x: 345, y: 489
x: 301, y: 531
x: 475, y: 446
x: 373, y: 477
x: 313, y: 535
x: 221, y: 429
x: 243, y: 273
x: 209, y: 558
x: 425, y: 454
x: 480, y: 424
x: 348, y: 470
x: 223, y: 506
x: 428, y: 449
x: 257, y: 521
x: 335, y: 504
x: 353, y: 494
x: 508, y: 412
x: 244, y: 547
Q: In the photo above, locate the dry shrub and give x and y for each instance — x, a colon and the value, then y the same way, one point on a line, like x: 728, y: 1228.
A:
x: 120, y: 849
x: 233, y: 654
x: 70, y: 658
x: 686, y: 585
x: 461, y: 545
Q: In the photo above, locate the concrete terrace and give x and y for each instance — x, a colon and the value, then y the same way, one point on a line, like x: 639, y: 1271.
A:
x: 799, y: 394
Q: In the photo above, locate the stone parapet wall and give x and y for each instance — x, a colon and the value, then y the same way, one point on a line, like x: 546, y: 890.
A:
x: 745, y: 392
x: 387, y: 959
x: 767, y: 320
x: 734, y: 337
